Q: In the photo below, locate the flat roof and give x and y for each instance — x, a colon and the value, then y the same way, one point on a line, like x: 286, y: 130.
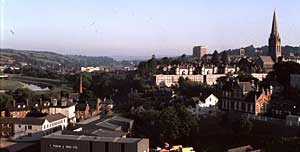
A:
x: 91, y: 138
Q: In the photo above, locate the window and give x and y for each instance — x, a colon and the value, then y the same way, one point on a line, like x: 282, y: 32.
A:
x: 3, y: 133
x: 3, y: 125
x: 29, y: 127
x: 19, y: 106
x: 8, y: 125
x: 19, y: 126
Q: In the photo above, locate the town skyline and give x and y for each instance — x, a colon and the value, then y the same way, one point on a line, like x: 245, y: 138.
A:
x: 142, y: 30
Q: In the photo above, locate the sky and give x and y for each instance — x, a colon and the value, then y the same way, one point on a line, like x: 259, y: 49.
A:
x: 144, y: 27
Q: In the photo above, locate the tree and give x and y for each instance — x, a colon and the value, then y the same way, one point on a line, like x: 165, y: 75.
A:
x: 187, y: 121
x: 4, y: 98
x: 224, y: 58
x: 242, y: 126
x: 22, y: 94
x: 282, y: 71
x: 169, y: 124
x: 215, y: 58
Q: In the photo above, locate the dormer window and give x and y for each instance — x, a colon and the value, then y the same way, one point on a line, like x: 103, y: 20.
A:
x: 19, y: 106
x: 44, y: 104
x: 48, y: 104
x: 24, y: 106
x: 36, y: 105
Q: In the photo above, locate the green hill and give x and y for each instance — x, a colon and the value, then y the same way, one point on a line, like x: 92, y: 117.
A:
x: 51, y: 59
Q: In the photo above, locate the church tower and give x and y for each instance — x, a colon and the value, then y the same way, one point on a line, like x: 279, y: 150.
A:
x: 274, y: 41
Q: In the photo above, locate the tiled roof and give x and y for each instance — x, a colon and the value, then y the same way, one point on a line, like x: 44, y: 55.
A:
x: 267, y: 60
x: 32, y: 120
x: 55, y: 117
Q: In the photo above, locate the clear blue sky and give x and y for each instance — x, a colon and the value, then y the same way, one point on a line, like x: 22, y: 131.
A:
x: 142, y: 28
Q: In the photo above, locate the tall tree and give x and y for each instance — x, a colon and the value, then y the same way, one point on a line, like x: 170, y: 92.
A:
x: 224, y: 58
x: 215, y: 58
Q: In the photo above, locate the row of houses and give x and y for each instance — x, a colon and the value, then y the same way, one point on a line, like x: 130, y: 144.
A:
x: 210, y: 79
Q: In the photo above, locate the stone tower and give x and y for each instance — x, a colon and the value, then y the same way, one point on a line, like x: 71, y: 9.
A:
x: 274, y: 41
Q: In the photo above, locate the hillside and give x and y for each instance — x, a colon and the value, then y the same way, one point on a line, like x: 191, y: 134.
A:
x: 52, y: 59
x: 251, y: 50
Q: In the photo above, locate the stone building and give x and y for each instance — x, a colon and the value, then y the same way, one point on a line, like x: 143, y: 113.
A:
x: 244, y: 97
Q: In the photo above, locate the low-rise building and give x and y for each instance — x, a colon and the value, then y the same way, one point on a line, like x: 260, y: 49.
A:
x: 82, y: 111
x: 210, y: 79
x: 245, y: 97
x: 31, y: 126
x: 264, y: 64
x: 77, y: 143
x: 205, y: 105
x: 295, y: 80
x: 64, y: 107
x: 106, y: 133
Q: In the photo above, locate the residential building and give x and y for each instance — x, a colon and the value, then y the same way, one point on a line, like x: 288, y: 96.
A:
x: 210, y: 79
x: 205, y: 105
x: 64, y: 107
x: 245, y: 97
x: 295, y: 80
x: 32, y: 126
x: 82, y: 111
x: 281, y: 107
x: 199, y: 51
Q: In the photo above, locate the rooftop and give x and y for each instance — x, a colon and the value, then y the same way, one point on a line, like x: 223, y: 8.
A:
x: 92, y: 138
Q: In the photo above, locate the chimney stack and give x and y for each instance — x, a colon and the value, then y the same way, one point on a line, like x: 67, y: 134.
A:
x: 14, y: 103
x: 80, y: 84
x: 27, y: 102
x: 54, y: 102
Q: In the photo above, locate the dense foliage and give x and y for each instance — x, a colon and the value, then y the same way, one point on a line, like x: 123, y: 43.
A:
x: 172, y: 125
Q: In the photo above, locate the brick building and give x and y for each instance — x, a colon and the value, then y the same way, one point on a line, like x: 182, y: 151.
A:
x: 244, y: 97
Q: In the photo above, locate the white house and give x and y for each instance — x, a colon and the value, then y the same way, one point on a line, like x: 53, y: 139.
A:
x: 30, y: 128
x: 66, y: 108
x: 206, y: 105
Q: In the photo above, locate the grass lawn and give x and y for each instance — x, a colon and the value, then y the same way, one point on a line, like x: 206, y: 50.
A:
x: 9, y: 85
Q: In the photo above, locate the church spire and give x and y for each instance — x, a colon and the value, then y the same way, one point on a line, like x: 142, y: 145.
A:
x: 274, y: 41
x: 274, y: 26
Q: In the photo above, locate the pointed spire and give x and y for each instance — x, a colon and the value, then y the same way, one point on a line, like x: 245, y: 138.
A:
x: 274, y: 25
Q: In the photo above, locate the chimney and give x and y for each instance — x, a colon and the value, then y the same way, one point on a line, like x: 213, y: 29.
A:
x: 237, y: 81
x: 54, y: 102
x: 252, y: 82
x: 80, y: 84
x: 14, y: 103
x: 41, y: 101
x: 27, y: 102
x: 63, y: 103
